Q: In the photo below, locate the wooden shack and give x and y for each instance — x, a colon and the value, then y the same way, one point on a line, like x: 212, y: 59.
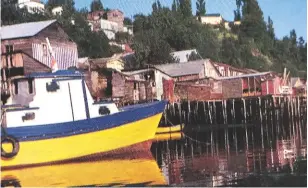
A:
x: 31, y: 38
x: 17, y: 63
x: 127, y: 88
x: 255, y: 84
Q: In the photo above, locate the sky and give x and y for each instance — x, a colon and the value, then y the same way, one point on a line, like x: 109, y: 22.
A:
x: 286, y: 14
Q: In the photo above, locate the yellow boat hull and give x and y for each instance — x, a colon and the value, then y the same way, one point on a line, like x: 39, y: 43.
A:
x: 170, y: 129
x: 80, y: 145
x: 141, y: 170
x: 168, y: 136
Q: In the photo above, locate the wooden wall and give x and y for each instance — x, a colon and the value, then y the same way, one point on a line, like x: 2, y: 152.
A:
x: 118, y: 85
x: 232, y: 88
x: 65, y: 50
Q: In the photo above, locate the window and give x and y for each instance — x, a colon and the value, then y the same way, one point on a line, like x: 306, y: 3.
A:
x: 135, y: 85
x: 16, y: 87
x: 30, y: 86
x: 44, y: 49
x: 9, y: 48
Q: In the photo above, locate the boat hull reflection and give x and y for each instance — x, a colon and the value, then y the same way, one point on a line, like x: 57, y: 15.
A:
x: 136, y: 170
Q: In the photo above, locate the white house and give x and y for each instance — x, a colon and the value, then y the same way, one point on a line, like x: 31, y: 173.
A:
x: 110, y: 28
x: 211, y: 19
x: 183, y: 55
x: 32, y: 5
x: 128, y: 30
x: 57, y: 10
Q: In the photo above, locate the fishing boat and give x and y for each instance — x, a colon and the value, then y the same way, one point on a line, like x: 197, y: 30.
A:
x: 52, y: 117
x: 140, y: 169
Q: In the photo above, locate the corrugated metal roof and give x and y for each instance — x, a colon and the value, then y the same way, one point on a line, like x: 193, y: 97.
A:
x: 246, y: 75
x: 24, y: 30
x: 182, y: 69
x: 183, y: 55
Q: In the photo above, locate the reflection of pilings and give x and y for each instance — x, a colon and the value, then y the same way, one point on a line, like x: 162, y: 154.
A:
x: 245, y: 121
x: 234, y: 129
x: 261, y: 121
x: 266, y: 120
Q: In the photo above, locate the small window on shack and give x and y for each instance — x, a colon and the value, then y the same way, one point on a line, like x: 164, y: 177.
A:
x: 135, y: 85
x: 44, y: 49
x: 16, y: 87
x: 9, y: 48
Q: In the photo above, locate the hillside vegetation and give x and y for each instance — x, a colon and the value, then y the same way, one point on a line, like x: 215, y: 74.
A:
x: 253, y: 44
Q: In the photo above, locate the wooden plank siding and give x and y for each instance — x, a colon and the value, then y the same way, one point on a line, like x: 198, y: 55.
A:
x: 65, y: 56
x: 65, y: 50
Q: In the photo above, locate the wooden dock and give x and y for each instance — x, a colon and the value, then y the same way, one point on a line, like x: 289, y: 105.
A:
x: 269, y: 116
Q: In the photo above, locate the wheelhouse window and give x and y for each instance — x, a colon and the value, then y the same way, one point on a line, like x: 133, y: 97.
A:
x: 16, y: 87
x: 30, y: 86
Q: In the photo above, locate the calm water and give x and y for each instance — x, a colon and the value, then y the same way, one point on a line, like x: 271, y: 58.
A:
x: 219, y: 158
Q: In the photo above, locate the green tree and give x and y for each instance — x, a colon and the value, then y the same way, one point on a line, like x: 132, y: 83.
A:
x: 237, y: 12
x: 54, y: 3
x: 270, y: 28
x: 127, y: 21
x: 193, y: 56
x: 96, y: 5
x: 174, y: 6
x: 201, y: 10
x: 253, y: 24
x: 185, y: 7
x: 123, y: 37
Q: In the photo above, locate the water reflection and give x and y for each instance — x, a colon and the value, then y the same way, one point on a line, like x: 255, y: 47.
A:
x: 138, y: 170
x: 209, y: 159
x: 232, y: 157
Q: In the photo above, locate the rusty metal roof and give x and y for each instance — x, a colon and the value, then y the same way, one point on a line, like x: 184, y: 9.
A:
x: 24, y: 30
x: 182, y: 69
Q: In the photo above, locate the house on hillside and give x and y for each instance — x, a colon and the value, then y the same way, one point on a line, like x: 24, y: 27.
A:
x: 57, y: 10
x: 116, y: 16
x: 110, y: 22
x: 32, y: 5
x: 183, y: 56
x: 217, y: 19
x: 211, y: 19
x: 31, y: 39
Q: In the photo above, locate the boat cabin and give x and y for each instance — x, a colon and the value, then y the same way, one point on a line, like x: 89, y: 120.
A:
x: 49, y: 98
